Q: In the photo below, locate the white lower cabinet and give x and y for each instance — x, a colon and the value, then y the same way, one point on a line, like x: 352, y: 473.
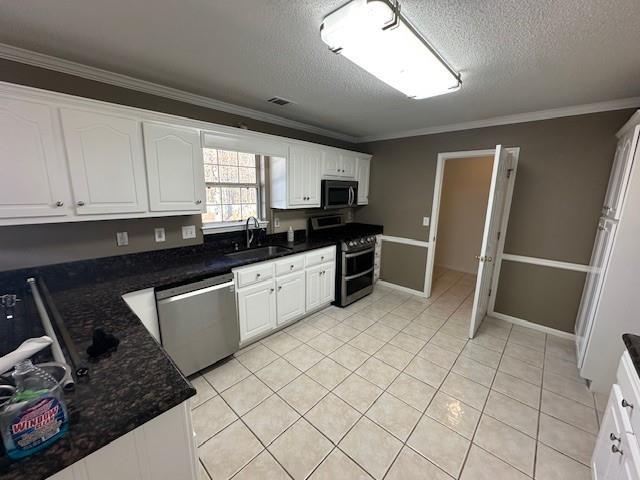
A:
x: 257, y: 311
x: 616, y: 455
x: 296, y: 285
x: 161, y: 449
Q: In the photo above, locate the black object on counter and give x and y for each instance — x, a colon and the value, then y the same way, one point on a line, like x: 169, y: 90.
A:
x: 104, y: 344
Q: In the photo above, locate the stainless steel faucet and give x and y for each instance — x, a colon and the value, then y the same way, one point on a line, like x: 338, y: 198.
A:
x: 250, y: 232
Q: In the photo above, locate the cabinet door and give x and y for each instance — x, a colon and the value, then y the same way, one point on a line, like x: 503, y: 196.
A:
x: 612, y: 438
x: 175, y: 170
x: 290, y: 297
x: 314, y: 287
x: 33, y: 180
x: 303, y: 176
x: 331, y: 164
x: 630, y: 466
x: 363, y: 166
x: 106, y: 162
x: 348, y: 166
x: 328, y: 283
x: 620, y: 171
x: 256, y: 310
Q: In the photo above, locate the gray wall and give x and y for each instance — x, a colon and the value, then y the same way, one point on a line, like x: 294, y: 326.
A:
x: 562, y: 177
x: 463, y: 207
x: 22, y: 246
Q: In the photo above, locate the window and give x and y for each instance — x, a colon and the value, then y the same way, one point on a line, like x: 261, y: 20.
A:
x: 233, y: 185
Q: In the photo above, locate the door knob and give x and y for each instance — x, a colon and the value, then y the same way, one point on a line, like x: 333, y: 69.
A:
x: 489, y: 259
x: 479, y: 258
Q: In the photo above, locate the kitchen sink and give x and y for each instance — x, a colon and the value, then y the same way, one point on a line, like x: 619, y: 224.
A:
x: 259, y: 252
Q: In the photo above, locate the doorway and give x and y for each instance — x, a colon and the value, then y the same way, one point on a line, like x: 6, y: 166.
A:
x: 471, y: 203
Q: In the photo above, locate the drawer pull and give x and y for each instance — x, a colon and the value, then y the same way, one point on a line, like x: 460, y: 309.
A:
x: 613, y: 438
x: 615, y: 449
x: 257, y: 275
x: 291, y: 267
x: 626, y: 404
x: 321, y: 258
x: 271, y: 290
x: 279, y: 287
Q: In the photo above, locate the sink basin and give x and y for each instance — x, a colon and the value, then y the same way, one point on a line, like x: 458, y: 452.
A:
x: 259, y: 252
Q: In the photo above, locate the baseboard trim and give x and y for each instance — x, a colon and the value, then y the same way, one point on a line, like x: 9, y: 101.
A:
x: 533, y: 326
x: 401, y: 288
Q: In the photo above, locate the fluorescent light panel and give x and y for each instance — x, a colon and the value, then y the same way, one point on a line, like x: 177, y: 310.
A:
x: 397, y: 55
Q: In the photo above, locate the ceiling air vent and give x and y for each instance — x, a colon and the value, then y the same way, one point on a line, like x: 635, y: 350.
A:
x: 279, y: 101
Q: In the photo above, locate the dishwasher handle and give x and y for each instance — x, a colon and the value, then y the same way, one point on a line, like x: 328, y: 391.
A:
x: 182, y: 296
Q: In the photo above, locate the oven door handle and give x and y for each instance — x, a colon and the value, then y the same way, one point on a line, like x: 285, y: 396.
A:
x: 358, y: 274
x: 357, y: 254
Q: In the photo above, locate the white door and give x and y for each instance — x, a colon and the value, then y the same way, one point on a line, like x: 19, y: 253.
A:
x: 290, y: 297
x: 175, y: 170
x: 327, y: 283
x: 256, y: 310
x: 347, y: 166
x: 314, y: 287
x: 304, y: 176
x: 106, y: 162
x: 489, y: 248
x: 602, y: 248
x: 363, y: 168
x: 33, y: 180
x: 620, y: 172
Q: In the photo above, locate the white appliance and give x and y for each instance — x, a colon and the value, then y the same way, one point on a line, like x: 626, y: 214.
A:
x: 610, y: 304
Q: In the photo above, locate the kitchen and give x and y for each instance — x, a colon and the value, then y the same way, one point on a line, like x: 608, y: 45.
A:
x: 249, y: 283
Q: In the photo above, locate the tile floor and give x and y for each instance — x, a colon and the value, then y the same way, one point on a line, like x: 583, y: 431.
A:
x: 391, y: 388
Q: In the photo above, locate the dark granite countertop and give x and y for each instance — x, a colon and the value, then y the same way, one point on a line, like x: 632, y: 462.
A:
x: 139, y: 381
x: 632, y: 342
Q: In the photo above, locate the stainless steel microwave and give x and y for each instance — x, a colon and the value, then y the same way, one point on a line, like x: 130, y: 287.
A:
x: 339, y: 194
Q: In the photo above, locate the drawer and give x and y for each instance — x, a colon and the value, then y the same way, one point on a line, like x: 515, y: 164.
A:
x: 254, y: 274
x: 291, y: 264
x: 323, y: 255
x: 630, y: 390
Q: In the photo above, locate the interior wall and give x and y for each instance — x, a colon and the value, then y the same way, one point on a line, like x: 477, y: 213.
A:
x: 463, y: 207
x: 562, y: 177
x: 22, y: 246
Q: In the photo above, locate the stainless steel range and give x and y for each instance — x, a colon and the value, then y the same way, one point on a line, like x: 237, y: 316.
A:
x: 356, y: 256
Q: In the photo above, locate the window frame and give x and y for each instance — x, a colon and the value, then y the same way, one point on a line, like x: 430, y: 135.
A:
x: 222, y: 226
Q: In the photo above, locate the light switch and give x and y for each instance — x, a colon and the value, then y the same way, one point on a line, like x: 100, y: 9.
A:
x: 425, y: 221
x: 276, y: 222
x: 122, y: 239
x: 160, y: 236
x: 188, y: 231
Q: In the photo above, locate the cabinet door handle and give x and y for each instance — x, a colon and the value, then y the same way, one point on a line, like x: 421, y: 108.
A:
x: 198, y: 202
x: 626, y: 404
x: 257, y: 275
x: 271, y: 290
x: 59, y: 203
x: 279, y: 287
x: 615, y: 449
x: 80, y: 203
x: 613, y: 438
x: 291, y: 267
x: 321, y: 258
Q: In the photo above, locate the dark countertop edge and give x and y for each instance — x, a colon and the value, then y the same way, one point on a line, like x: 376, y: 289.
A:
x: 632, y: 342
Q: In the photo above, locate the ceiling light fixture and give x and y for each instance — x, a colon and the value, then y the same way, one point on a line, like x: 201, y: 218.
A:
x: 374, y: 35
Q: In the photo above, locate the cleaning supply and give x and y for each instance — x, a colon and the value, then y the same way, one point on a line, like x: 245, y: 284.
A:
x: 290, y: 234
x: 35, y: 416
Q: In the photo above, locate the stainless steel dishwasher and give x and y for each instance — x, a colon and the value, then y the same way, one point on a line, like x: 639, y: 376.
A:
x: 199, y: 322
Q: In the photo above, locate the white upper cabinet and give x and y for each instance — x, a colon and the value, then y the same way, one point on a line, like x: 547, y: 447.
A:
x: 106, y: 162
x: 295, y: 181
x: 33, y: 181
x: 337, y: 164
x: 363, y: 167
x: 175, y: 170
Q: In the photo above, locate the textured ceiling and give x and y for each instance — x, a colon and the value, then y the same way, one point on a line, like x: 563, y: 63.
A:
x: 515, y: 56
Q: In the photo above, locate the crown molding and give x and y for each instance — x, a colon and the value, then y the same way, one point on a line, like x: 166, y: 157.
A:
x: 49, y: 62
x: 619, y: 104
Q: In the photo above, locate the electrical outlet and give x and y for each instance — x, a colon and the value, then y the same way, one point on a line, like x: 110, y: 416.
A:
x: 276, y: 222
x: 122, y: 239
x: 188, y: 231
x: 425, y: 221
x: 160, y: 235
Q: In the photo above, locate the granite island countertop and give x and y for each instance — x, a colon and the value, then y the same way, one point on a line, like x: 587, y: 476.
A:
x: 139, y: 381
x: 632, y: 342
